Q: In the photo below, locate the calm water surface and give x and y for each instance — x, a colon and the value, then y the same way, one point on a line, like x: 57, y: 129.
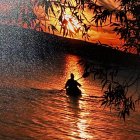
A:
x: 33, y: 108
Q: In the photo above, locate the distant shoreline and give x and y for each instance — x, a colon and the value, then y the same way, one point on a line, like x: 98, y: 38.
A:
x: 46, y: 42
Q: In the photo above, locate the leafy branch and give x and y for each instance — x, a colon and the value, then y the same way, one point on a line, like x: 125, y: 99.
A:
x: 116, y: 94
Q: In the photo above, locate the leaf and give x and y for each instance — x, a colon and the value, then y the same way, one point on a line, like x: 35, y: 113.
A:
x: 49, y: 28
x: 86, y: 74
x: 53, y: 28
x: 109, y: 87
x: 123, y: 115
x: 104, y: 84
x: 52, y: 9
x: 104, y: 102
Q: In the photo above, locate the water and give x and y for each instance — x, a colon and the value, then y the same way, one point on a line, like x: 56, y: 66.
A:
x: 33, y: 108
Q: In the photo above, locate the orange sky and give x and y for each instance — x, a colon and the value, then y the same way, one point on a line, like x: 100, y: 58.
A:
x: 104, y: 35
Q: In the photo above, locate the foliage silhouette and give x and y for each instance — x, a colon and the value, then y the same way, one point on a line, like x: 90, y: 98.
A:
x: 116, y: 94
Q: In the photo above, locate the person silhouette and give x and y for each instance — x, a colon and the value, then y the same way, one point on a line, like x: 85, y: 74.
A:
x: 72, y: 85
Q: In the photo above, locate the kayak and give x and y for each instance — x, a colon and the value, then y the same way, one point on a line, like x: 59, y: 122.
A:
x: 73, y: 92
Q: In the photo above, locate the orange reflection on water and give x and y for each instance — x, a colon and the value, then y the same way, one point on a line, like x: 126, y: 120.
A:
x: 75, y: 103
x: 72, y: 66
x: 82, y: 125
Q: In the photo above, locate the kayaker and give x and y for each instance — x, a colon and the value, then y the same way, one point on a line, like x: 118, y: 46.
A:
x: 72, y: 85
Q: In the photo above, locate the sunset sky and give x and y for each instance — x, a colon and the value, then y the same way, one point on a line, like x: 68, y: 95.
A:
x: 104, y: 35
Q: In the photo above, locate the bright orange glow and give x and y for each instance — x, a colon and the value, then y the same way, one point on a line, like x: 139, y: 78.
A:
x: 72, y: 24
x: 72, y: 67
x: 104, y: 35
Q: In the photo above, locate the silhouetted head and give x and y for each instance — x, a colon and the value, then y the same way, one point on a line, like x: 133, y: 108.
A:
x: 72, y: 76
